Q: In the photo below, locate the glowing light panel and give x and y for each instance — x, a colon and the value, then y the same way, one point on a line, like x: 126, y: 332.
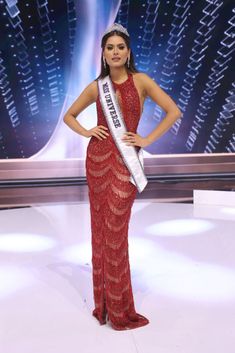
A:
x: 18, y: 242
x: 180, y: 227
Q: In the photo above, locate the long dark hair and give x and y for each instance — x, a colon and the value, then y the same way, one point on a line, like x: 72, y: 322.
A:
x: 105, y: 70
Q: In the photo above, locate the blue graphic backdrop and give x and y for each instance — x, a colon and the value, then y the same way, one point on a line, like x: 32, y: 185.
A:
x: 187, y: 47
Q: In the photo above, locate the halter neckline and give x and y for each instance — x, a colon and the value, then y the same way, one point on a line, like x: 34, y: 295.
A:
x: 119, y: 84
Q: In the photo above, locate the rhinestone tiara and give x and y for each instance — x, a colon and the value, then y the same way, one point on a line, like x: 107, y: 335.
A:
x: 116, y: 27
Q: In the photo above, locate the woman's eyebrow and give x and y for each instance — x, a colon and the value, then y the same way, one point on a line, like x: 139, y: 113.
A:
x: 116, y: 44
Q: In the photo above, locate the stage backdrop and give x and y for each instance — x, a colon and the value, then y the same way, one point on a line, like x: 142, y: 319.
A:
x: 50, y: 50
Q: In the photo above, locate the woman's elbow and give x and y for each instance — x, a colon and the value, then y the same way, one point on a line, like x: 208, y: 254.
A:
x: 175, y: 112
x: 66, y: 118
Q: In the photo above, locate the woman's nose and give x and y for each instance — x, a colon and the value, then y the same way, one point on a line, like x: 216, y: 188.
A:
x: 115, y: 51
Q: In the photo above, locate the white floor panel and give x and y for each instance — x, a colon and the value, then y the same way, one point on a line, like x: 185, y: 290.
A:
x: 183, y: 277
x: 214, y: 197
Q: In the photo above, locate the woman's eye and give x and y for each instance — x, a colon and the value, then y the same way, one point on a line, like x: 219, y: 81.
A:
x: 109, y: 48
x: 122, y: 47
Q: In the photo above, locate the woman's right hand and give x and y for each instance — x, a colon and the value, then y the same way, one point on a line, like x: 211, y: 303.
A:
x: 100, y: 132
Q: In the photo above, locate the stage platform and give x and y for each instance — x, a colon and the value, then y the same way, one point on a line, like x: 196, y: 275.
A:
x: 183, y: 277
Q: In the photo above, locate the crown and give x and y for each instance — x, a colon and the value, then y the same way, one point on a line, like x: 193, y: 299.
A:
x: 116, y: 27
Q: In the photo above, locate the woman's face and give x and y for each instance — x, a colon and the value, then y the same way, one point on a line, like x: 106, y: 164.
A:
x: 116, y: 51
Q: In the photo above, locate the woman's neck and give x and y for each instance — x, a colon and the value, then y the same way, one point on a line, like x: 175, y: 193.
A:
x: 118, y: 74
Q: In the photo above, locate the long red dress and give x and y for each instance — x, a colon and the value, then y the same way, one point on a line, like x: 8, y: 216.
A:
x: 111, y: 197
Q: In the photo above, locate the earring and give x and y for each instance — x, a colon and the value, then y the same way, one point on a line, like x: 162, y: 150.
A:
x: 128, y: 63
x: 104, y: 62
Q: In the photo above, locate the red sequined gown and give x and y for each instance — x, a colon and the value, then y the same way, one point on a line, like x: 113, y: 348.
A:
x: 111, y: 197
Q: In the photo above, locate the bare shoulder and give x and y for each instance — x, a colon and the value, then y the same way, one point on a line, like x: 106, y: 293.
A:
x: 141, y: 77
x: 142, y: 81
x: 156, y: 93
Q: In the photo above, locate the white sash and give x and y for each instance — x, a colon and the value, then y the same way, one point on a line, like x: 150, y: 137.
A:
x: 117, y: 127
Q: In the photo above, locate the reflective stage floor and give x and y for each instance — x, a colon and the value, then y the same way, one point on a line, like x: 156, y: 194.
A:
x: 183, y: 277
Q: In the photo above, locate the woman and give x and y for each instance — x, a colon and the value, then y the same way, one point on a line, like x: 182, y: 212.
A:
x: 111, y: 192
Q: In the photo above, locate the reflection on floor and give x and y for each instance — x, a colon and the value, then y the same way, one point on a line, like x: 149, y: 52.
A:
x: 183, y: 277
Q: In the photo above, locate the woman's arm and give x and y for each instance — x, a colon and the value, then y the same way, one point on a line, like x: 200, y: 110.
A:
x: 173, y: 113
x: 87, y: 97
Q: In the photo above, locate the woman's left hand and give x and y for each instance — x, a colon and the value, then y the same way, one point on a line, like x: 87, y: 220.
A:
x: 133, y: 139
